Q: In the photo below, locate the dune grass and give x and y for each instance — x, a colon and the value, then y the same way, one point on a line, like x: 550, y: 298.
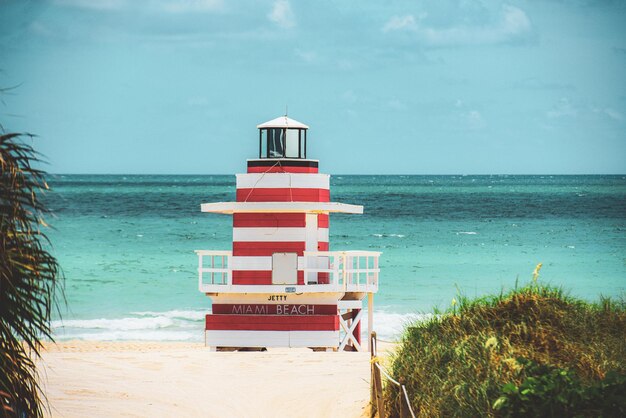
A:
x: 534, y: 347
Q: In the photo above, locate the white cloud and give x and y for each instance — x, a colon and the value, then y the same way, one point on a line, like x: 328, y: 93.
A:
x: 611, y: 113
x: 473, y: 120
x: 563, y: 108
x: 515, y: 21
x: 93, y: 4
x: 534, y: 83
x: 566, y: 109
x: 352, y: 113
x: 511, y: 23
x: 282, y: 15
x: 349, y: 96
x: 198, y: 101
x: 345, y: 64
x: 185, y: 6
x: 306, y: 56
x: 40, y: 29
x: 395, y: 104
x: 169, y: 6
x: 406, y: 22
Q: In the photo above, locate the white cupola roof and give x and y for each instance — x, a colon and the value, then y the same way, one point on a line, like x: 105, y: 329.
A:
x: 283, y: 122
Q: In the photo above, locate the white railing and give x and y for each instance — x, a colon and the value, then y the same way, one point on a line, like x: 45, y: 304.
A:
x: 219, y: 272
x: 354, y: 271
x: 324, y: 271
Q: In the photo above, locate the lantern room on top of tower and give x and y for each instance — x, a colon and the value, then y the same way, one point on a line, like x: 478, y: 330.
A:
x: 282, y: 138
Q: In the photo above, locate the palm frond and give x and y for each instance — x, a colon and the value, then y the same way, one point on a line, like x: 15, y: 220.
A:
x: 29, y: 277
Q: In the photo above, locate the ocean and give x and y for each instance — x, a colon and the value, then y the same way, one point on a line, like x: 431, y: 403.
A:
x: 126, y: 244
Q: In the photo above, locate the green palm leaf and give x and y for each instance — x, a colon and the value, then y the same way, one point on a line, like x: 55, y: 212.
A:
x: 29, y: 277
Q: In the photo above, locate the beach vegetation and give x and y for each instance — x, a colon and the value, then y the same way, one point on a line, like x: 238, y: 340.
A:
x: 534, y: 351
x: 29, y: 277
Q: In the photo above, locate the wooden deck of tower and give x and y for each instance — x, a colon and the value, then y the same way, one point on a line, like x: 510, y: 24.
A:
x: 280, y: 285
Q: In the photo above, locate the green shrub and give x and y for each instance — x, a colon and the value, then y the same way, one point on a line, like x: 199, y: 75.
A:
x: 457, y: 363
x: 549, y: 391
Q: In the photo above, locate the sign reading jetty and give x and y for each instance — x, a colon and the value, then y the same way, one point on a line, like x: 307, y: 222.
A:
x: 280, y: 285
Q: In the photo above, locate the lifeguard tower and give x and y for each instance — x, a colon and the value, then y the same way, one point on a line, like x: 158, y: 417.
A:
x: 281, y: 286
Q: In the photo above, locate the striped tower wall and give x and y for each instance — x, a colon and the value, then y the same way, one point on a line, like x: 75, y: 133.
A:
x: 276, y: 320
x: 256, y: 236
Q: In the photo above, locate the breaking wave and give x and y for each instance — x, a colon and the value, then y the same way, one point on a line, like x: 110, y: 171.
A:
x: 188, y: 325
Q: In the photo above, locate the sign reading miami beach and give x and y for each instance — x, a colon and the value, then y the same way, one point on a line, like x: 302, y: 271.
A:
x: 282, y: 309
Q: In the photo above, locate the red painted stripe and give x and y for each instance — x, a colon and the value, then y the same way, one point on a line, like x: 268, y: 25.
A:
x: 283, y: 195
x: 272, y: 322
x: 242, y: 248
x: 262, y: 309
x: 260, y: 220
x: 279, y: 169
x: 258, y: 277
x: 264, y: 277
x: 323, y: 278
x: 323, y: 220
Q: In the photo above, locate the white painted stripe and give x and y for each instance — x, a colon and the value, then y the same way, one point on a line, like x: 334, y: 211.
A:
x: 257, y: 263
x: 247, y: 338
x: 280, y: 289
x: 268, y: 234
x: 350, y: 304
x: 241, y: 263
x: 280, y: 207
x: 313, y: 338
x: 283, y: 180
x: 291, y: 298
x: 251, y: 263
x: 276, y: 234
x: 272, y: 338
x: 311, y: 232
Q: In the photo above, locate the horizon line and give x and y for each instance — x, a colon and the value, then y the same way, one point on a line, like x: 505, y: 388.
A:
x: 345, y: 174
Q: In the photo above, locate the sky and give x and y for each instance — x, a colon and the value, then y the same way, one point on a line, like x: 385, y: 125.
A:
x: 387, y: 87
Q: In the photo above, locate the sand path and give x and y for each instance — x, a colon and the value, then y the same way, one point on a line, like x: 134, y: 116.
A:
x: 95, y: 379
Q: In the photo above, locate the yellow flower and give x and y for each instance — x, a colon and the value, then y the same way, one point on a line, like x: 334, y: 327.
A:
x: 513, y: 364
x: 491, y: 342
x: 536, y: 272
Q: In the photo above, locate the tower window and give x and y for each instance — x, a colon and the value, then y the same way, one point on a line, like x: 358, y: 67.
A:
x: 282, y: 143
x: 276, y: 142
x: 292, y: 150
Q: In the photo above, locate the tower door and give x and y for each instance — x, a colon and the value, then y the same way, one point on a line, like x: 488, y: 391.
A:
x: 285, y: 268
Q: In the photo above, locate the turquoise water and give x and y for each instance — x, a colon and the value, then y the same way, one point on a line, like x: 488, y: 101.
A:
x: 126, y: 243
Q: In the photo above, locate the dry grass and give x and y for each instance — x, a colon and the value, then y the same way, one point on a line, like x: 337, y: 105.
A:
x: 456, y: 364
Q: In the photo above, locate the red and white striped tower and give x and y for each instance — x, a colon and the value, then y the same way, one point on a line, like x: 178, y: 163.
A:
x: 281, y: 285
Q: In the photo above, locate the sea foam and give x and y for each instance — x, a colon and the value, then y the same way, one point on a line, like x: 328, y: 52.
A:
x: 188, y: 325
x: 166, y: 326
x: 388, y: 235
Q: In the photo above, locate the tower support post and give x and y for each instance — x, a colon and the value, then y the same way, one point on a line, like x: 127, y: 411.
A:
x: 370, y: 319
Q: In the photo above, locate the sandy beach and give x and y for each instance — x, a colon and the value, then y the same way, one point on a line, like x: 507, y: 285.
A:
x: 102, y: 379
